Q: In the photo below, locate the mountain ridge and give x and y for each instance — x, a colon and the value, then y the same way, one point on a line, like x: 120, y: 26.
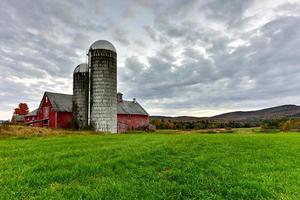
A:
x: 278, y: 112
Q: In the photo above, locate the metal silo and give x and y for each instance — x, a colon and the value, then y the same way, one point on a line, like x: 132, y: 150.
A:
x: 80, y: 95
x: 103, y: 86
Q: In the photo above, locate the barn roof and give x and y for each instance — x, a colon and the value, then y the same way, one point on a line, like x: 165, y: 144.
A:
x: 60, y: 102
x: 32, y: 113
x: 131, y: 107
x: 63, y: 103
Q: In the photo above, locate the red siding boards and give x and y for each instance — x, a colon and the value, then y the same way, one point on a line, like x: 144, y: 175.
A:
x: 44, y: 112
x: 35, y: 118
x: 129, y: 122
x: 28, y: 119
x: 64, y: 120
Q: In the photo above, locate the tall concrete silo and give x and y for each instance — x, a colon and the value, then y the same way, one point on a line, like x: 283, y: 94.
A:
x: 103, y: 86
x: 80, y: 94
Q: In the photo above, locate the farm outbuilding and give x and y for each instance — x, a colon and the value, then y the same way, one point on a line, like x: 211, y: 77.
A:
x: 131, y: 115
x: 31, y: 117
x: 55, y: 111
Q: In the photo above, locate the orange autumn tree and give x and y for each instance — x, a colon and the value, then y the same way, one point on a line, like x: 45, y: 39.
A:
x: 22, y: 109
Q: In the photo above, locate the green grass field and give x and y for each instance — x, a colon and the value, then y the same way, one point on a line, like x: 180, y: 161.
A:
x: 151, y: 166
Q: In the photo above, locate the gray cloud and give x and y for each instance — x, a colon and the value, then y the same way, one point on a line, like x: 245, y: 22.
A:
x: 227, y: 11
x: 177, y: 57
x: 259, y: 71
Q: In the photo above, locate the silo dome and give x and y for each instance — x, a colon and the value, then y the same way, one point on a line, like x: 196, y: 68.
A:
x: 83, y: 67
x: 103, y: 44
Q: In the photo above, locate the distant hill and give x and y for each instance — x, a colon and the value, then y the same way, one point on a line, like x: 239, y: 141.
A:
x: 279, y: 112
x: 285, y: 111
x: 179, y: 118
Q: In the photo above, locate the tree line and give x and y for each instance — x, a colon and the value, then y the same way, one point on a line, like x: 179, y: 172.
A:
x: 281, y: 124
x: 202, y: 124
x: 278, y: 124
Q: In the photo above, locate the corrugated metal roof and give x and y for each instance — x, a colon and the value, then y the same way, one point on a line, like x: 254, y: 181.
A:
x: 60, y: 102
x: 103, y: 44
x: 131, y: 108
x: 32, y: 113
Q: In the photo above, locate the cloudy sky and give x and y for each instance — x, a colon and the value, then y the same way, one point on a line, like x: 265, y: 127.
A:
x: 177, y: 57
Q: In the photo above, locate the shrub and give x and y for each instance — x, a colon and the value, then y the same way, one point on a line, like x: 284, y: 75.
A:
x: 286, y: 126
x: 292, y: 124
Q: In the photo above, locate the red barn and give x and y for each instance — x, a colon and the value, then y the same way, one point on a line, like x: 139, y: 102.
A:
x: 131, y: 115
x: 31, y: 117
x: 55, y: 111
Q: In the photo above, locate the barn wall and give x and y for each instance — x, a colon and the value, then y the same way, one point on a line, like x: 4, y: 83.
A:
x: 52, y: 119
x: 35, y: 118
x: 27, y: 119
x: 64, y: 119
x: 41, y: 111
x: 30, y: 119
x: 129, y: 122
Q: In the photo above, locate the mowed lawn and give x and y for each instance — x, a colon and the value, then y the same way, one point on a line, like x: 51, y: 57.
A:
x: 151, y: 166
